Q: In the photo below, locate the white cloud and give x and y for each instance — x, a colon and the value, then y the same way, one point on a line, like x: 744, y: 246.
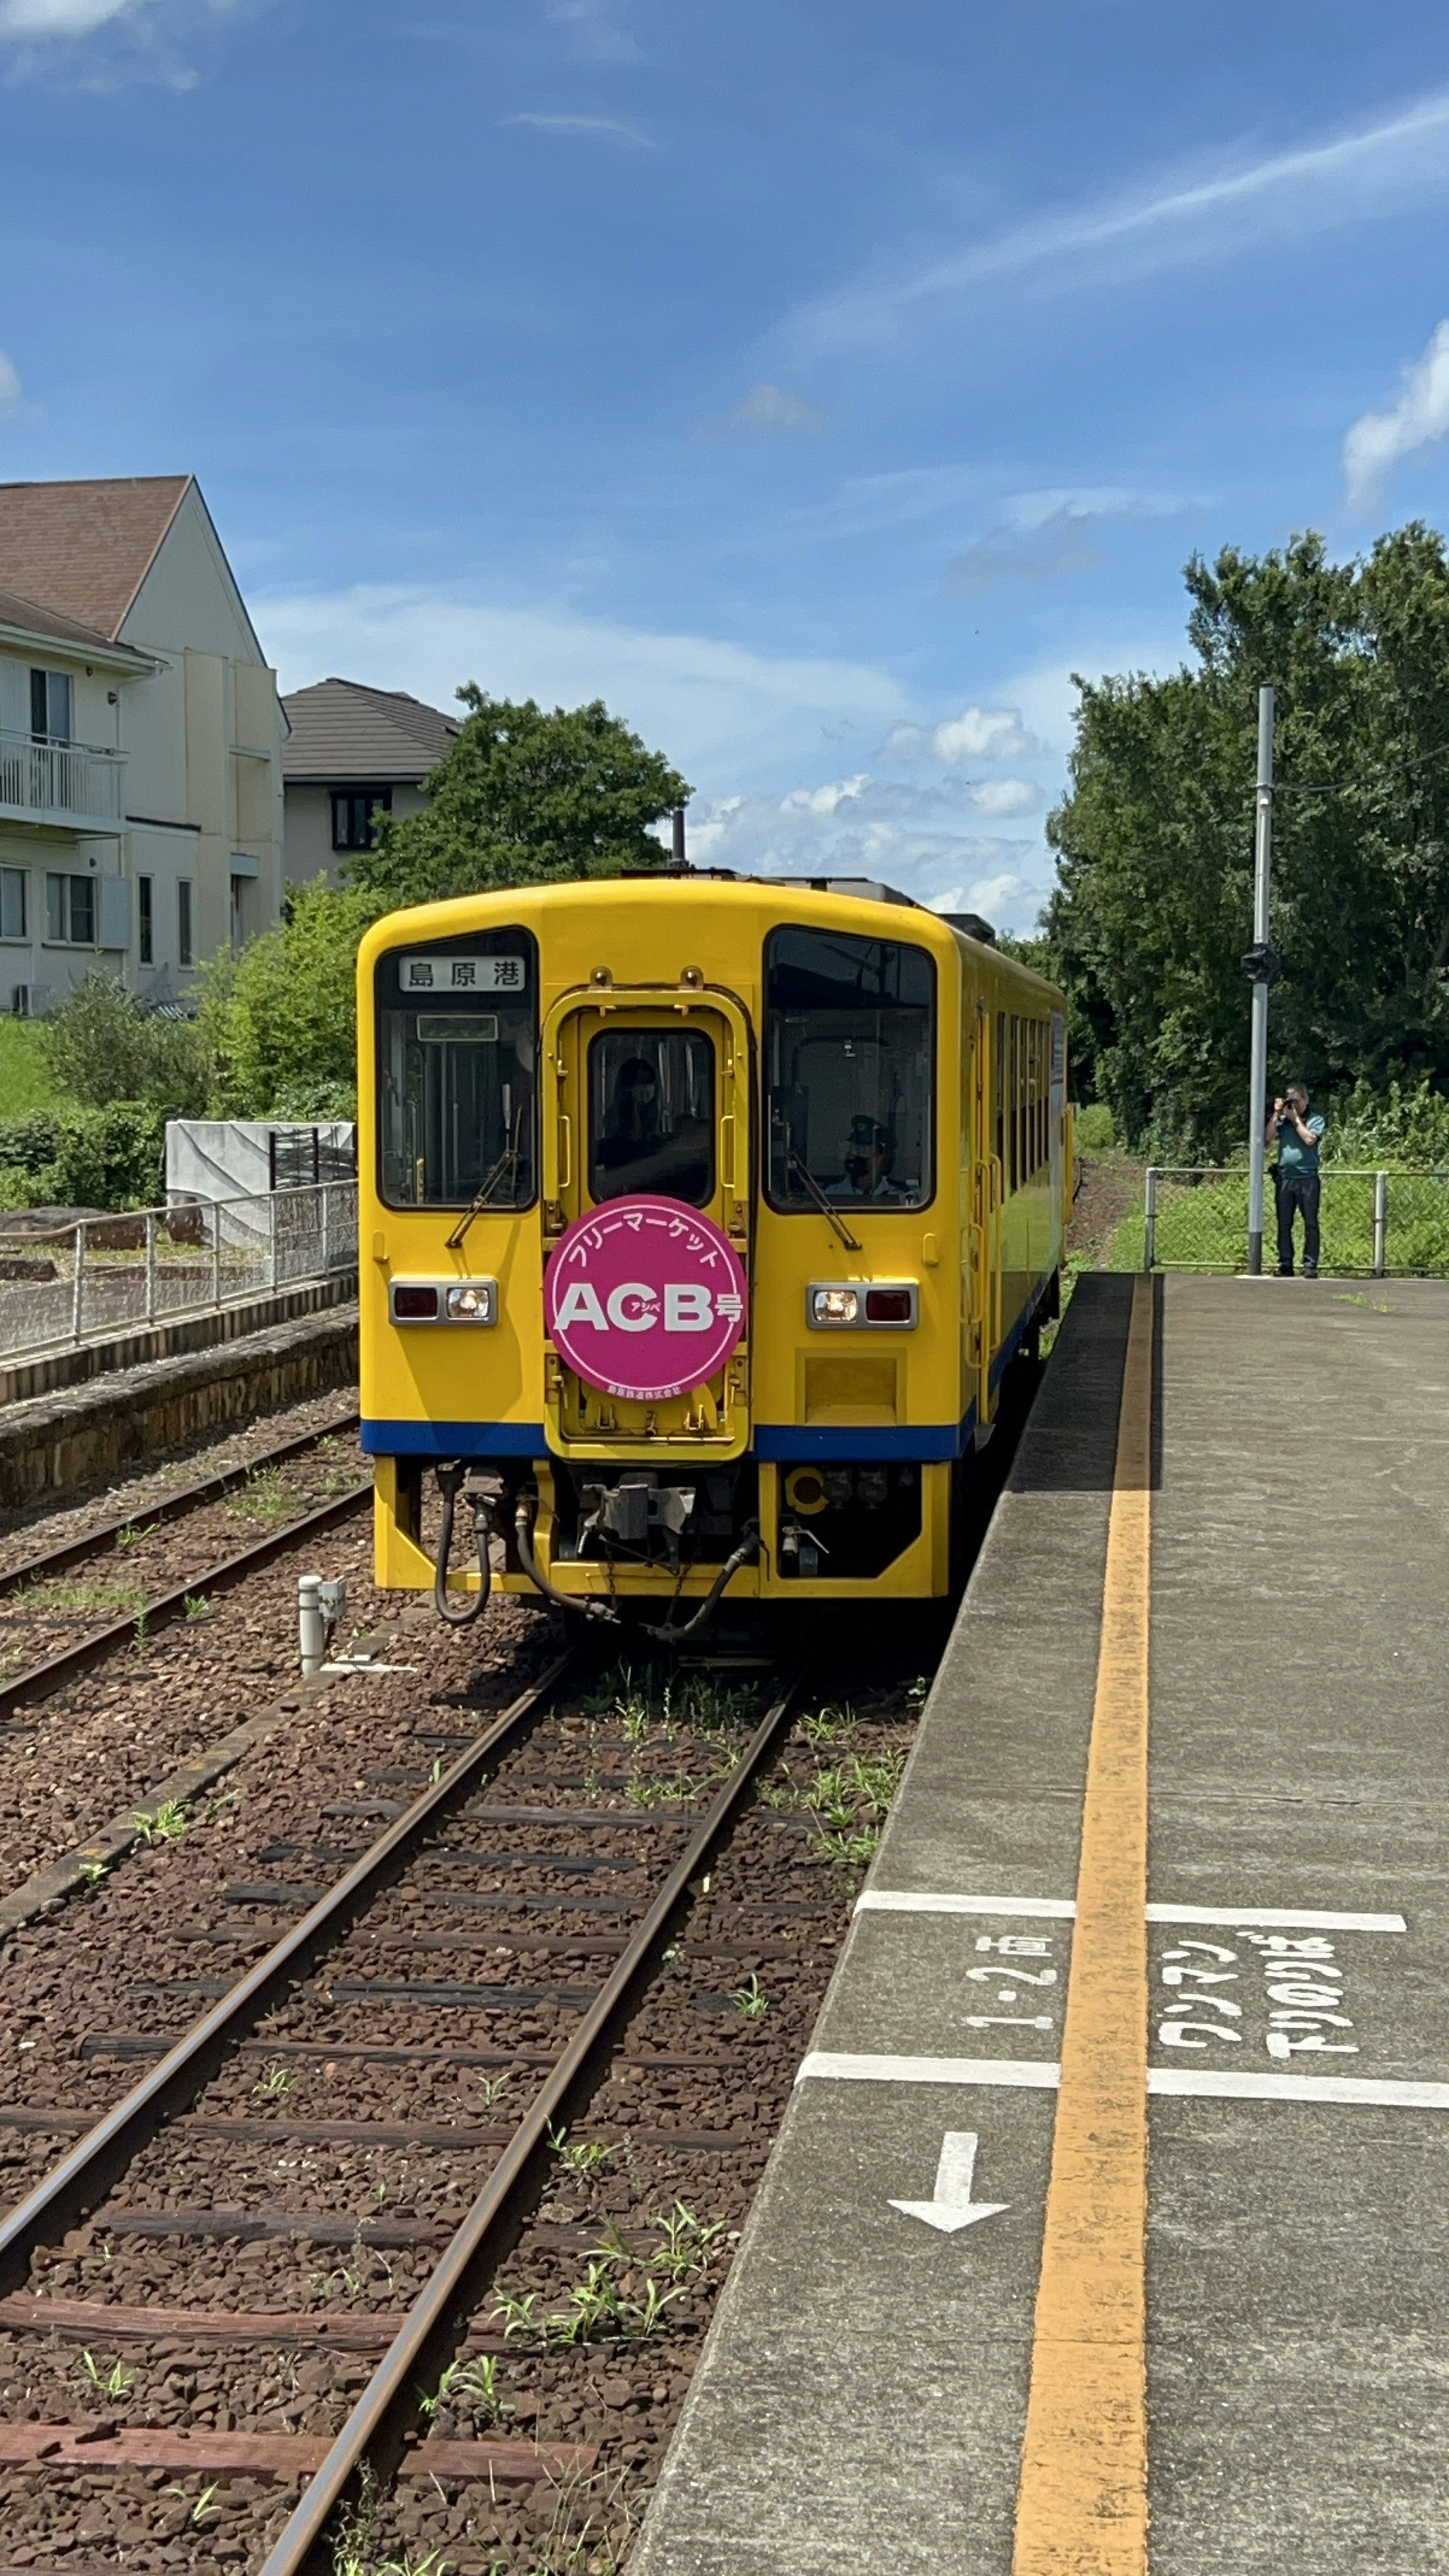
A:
x: 1368, y: 171
x: 59, y: 17
x: 11, y: 390
x: 594, y: 31
x: 854, y: 827
x: 605, y: 129
x: 768, y: 411
x: 1420, y: 416
x: 978, y: 733
x: 708, y: 705
x: 1003, y: 796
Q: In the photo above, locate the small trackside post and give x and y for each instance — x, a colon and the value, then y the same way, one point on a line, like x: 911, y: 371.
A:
x: 150, y: 1265
x: 311, y: 1624
x: 78, y: 1284
x: 1149, y: 1220
x: 1381, y: 1224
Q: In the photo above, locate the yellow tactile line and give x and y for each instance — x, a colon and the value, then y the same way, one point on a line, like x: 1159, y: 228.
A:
x: 1082, y: 2503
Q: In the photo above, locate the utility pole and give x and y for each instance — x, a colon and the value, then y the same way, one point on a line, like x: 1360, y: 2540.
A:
x: 1260, y: 966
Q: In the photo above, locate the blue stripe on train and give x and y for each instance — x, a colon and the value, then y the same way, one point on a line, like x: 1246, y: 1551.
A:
x: 919, y: 1441
x: 454, y: 1440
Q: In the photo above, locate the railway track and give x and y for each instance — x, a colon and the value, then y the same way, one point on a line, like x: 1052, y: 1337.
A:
x: 595, y: 2003
x: 120, y: 1543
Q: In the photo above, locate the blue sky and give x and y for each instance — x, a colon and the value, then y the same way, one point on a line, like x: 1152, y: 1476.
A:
x: 820, y: 384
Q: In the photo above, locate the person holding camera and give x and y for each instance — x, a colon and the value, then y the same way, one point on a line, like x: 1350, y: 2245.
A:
x: 1295, y: 1176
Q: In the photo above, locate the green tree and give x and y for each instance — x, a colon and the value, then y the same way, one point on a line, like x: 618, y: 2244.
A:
x: 1153, y: 906
x: 525, y: 798
x: 281, y: 1019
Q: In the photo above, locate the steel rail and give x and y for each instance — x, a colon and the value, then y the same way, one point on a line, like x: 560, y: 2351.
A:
x: 76, y: 2186
x: 169, y: 1507
x: 376, y: 2432
x: 79, y: 1658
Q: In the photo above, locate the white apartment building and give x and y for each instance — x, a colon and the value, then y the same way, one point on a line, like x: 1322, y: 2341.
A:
x: 140, y: 743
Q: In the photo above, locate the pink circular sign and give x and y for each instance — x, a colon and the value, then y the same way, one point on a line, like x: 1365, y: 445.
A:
x: 645, y: 1297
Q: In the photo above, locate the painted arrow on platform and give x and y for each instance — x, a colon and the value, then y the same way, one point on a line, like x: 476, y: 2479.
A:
x: 953, y: 2206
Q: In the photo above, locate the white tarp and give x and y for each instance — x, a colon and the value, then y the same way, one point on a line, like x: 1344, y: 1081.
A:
x: 228, y: 1158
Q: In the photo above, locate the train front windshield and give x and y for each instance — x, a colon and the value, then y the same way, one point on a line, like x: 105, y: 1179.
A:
x: 457, y: 1048
x: 849, y: 1047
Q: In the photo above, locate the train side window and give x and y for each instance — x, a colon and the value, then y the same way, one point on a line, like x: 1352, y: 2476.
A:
x: 849, y: 1057
x: 1001, y: 1094
x: 457, y: 1048
x: 651, y: 1114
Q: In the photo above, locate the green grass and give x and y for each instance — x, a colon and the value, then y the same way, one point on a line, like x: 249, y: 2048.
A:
x: 25, y: 1082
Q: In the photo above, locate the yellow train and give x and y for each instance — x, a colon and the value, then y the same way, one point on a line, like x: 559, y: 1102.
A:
x: 700, y: 1219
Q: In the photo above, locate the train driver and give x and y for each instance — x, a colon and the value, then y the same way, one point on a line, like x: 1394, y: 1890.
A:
x: 869, y: 1154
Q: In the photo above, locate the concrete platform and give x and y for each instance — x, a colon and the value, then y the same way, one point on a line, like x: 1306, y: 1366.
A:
x: 58, y: 1441
x: 863, y: 2400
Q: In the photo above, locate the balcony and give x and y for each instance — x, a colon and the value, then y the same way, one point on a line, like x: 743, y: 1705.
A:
x: 71, y: 785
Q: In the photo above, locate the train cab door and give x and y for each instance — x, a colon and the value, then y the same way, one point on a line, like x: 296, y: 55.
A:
x: 646, y: 1093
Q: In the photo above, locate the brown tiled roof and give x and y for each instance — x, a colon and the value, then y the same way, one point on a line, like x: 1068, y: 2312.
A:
x: 32, y: 619
x: 84, y: 549
x: 343, y: 732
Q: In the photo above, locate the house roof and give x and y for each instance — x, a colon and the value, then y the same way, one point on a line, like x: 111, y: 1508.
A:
x: 82, y: 550
x: 344, y: 732
x: 27, y: 617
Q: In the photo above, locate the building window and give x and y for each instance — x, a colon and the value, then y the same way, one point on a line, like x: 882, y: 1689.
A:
x: 12, y: 903
x: 241, y: 911
x: 183, y: 921
x: 352, y: 811
x: 147, y: 920
x: 50, y: 706
x: 70, y: 910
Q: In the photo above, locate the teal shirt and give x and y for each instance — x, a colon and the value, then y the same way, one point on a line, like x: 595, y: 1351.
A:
x: 1293, y: 1154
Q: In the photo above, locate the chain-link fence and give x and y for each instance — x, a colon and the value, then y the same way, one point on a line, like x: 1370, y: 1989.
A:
x: 116, y: 1274
x: 1375, y: 1224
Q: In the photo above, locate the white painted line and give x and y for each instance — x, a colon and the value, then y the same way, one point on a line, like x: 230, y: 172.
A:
x: 1221, y: 2085
x: 887, y: 1900
x: 1061, y: 1909
x: 1277, y: 1918
x: 1040, y: 2074
x: 1226, y: 2085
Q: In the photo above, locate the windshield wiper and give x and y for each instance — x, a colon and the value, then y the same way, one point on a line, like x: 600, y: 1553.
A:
x: 826, y: 1206
x: 507, y: 1163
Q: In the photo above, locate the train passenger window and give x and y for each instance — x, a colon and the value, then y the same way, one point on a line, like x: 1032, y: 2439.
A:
x: 849, y: 1050
x: 651, y: 1114
x: 457, y: 1031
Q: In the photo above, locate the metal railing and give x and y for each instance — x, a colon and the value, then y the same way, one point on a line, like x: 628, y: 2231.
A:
x: 1375, y: 1224
x: 106, y: 1275
x: 39, y: 777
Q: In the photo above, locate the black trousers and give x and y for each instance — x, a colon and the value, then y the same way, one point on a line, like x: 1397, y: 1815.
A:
x: 1297, y: 1190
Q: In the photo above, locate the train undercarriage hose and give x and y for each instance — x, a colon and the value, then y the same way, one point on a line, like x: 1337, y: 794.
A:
x: 480, y: 1494
x: 523, y: 1537
x: 748, y: 1547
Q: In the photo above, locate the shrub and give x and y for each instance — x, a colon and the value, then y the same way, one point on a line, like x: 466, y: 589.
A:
x: 1094, y: 1128
x: 1406, y: 1127
x: 103, y: 1045
x: 281, y: 1019
x: 103, y: 1158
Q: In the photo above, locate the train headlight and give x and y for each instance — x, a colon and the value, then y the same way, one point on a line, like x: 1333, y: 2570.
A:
x: 471, y: 1302
x: 834, y: 1305
x: 879, y: 1305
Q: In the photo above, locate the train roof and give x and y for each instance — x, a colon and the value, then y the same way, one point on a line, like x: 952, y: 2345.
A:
x: 864, y: 889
